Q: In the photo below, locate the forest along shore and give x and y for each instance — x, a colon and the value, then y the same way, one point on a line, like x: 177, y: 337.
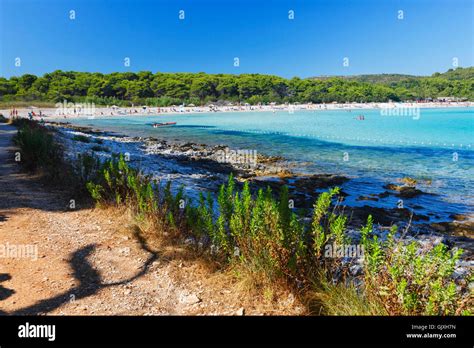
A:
x: 88, y: 261
x: 200, y: 168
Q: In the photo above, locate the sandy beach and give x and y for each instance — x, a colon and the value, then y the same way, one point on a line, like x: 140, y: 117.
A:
x: 86, y: 110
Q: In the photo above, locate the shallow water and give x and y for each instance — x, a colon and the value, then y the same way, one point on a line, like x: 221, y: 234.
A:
x: 436, y: 146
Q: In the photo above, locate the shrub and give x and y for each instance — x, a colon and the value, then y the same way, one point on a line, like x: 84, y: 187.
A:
x: 263, y: 235
x: 38, y: 149
x: 409, y: 280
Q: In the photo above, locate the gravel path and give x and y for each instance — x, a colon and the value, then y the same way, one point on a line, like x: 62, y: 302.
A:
x: 86, y: 261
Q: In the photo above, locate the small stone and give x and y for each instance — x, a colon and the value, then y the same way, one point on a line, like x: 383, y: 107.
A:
x: 240, y: 311
x: 190, y: 299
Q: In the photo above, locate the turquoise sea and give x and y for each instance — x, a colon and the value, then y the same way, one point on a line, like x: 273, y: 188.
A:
x: 435, y: 146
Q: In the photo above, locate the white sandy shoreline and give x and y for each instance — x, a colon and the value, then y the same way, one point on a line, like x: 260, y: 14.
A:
x: 84, y: 110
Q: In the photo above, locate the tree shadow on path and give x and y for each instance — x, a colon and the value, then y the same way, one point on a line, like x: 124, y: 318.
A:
x: 89, y: 279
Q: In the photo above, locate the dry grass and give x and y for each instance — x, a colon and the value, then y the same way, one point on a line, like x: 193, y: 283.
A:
x: 232, y: 283
x: 341, y: 299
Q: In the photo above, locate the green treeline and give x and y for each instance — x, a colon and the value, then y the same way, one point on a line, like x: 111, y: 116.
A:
x: 162, y: 89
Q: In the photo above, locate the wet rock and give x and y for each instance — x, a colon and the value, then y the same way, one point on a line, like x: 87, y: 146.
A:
x: 392, y: 187
x: 403, y: 191
x: 459, y: 217
x: 385, y: 217
x: 455, y: 228
x: 409, y: 181
x: 408, y: 192
x: 319, y: 181
x: 440, y: 227
x: 384, y: 194
x: 366, y: 198
x: 268, y: 159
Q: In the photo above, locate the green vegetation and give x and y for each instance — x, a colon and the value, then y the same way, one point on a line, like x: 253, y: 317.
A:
x: 38, y: 150
x: 263, y: 237
x: 164, y: 89
x: 260, y: 236
x: 393, y: 79
x: 409, y: 280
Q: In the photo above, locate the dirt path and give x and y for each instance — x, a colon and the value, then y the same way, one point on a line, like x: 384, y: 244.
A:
x: 91, y: 261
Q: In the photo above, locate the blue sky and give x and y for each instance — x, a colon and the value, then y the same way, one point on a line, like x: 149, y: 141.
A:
x: 258, y: 32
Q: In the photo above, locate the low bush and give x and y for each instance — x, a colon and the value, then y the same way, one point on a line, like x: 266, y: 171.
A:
x: 411, y: 280
x: 37, y: 147
x: 264, y: 237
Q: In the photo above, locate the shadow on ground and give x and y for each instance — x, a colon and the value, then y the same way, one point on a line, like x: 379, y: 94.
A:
x: 89, y: 278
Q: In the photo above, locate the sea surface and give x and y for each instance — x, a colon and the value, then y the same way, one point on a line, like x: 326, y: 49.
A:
x: 436, y: 147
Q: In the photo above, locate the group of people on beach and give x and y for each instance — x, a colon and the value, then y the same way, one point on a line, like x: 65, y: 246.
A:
x: 31, y: 114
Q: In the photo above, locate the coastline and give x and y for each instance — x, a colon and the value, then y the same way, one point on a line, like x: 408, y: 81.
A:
x: 169, y: 156
x: 85, y: 110
x: 197, y: 168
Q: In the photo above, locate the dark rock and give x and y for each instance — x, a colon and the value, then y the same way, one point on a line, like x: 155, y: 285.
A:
x: 384, y: 194
x: 365, y: 198
x: 408, y: 192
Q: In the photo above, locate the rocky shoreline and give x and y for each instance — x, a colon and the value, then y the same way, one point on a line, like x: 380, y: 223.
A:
x: 201, y: 165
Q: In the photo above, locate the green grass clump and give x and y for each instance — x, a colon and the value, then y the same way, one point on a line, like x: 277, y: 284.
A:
x: 114, y: 181
x: 37, y: 147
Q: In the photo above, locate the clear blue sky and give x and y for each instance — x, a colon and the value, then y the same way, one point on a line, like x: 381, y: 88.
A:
x: 259, y: 32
